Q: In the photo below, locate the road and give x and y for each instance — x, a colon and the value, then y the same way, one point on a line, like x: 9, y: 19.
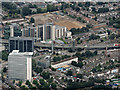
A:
x: 67, y: 46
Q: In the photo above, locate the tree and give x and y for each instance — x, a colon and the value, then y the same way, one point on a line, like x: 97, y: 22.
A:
x: 103, y: 10
x: 80, y: 64
x: 101, y: 40
x: 95, y: 52
x: 101, y: 87
x: 35, y: 82
x: 65, y: 57
x: 4, y: 55
x: 38, y: 69
x: 26, y: 11
x: 74, y: 63
x: 46, y: 75
x: 13, y: 81
x: 79, y: 76
x: 78, y: 30
x: 112, y: 36
x: 53, y: 69
x: 87, y: 4
x: 39, y: 10
x: 46, y: 86
x: 93, y: 37
x: 50, y: 80
x: 77, y: 9
x: 89, y: 26
x: 5, y: 69
x: 32, y: 6
x: 95, y: 18
x: 69, y: 73
x: 32, y: 20
x: 108, y: 31
x: 80, y: 4
x: 24, y: 87
x: 27, y: 82
x: 51, y: 8
x: 20, y: 83
x: 53, y: 85
x: 108, y: 55
x: 93, y: 9
x: 88, y: 54
x: 42, y: 81
x: 56, y: 59
x: 33, y: 64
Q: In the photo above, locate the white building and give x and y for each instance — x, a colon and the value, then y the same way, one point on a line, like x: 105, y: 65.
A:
x: 64, y: 62
x: 20, y: 65
x: 11, y: 31
x: 103, y: 35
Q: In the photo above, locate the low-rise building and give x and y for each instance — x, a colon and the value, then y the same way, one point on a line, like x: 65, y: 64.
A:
x: 103, y: 35
x: 64, y: 62
x: 44, y: 61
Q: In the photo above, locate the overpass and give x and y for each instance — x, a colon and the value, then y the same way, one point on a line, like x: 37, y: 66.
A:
x: 66, y: 46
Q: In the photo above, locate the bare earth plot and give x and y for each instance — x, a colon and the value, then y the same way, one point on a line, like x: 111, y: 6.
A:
x: 57, y: 20
x: 70, y: 24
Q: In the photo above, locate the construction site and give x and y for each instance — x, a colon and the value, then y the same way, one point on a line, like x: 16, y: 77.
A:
x: 57, y: 18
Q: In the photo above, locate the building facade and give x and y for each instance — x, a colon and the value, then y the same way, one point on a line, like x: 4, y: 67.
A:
x: 20, y: 65
x: 23, y: 44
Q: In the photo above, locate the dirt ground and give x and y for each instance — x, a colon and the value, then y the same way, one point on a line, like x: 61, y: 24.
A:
x: 56, y: 19
x: 70, y: 24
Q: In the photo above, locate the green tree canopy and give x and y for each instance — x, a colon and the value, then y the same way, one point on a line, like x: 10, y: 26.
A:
x: 79, y: 76
x: 53, y: 85
x: 32, y: 20
x: 69, y: 73
x: 26, y: 11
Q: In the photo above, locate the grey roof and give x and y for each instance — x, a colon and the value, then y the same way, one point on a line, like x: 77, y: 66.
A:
x: 20, y: 38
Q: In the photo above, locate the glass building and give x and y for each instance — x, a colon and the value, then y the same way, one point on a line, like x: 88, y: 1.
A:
x: 25, y: 44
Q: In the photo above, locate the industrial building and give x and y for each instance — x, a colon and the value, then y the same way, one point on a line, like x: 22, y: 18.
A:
x: 20, y: 65
x: 45, y: 32
x: 23, y: 44
x: 64, y: 62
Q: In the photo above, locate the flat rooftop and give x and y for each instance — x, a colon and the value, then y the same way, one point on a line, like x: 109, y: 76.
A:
x: 20, y: 38
x: 16, y: 52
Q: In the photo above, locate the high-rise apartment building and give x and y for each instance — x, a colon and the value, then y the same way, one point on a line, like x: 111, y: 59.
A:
x: 46, y: 32
x: 23, y: 44
x: 15, y: 30
x: 20, y: 65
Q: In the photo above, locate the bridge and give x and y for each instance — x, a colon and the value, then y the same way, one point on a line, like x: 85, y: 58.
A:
x: 67, y: 46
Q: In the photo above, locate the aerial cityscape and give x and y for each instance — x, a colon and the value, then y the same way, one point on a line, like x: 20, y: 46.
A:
x: 60, y: 45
